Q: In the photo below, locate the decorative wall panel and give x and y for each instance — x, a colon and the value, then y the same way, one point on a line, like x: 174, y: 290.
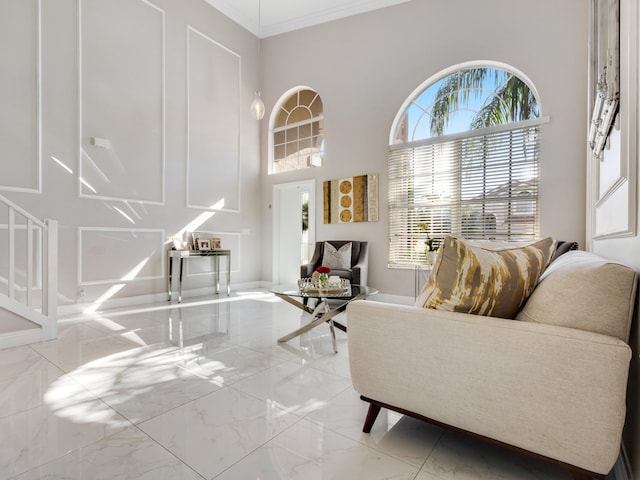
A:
x: 213, y: 124
x: 20, y: 130
x: 121, y: 85
x: 109, y: 256
x: 353, y: 199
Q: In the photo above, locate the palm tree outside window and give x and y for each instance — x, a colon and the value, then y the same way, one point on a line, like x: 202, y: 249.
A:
x: 464, y: 160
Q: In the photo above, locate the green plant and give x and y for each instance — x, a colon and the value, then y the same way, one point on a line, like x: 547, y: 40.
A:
x: 432, y: 244
x: 305, y: 215
x: 512, y: 100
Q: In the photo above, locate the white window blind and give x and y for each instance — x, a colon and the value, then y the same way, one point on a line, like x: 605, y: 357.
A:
x: 482, y: 184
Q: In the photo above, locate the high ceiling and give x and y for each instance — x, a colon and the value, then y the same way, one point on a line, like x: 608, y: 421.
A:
x: 270, y: 17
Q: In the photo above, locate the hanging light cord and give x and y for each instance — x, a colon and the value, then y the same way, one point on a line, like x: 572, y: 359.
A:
x: 257, y: 106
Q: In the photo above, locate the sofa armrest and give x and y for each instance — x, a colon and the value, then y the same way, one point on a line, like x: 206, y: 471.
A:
x: 555, y: 391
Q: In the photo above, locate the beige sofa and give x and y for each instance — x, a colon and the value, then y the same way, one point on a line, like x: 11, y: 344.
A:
x: 551, y: 383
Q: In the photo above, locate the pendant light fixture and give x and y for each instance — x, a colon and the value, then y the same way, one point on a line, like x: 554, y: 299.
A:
x: 257, y: 106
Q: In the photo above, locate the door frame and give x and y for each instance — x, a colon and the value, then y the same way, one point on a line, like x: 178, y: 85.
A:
x: 310, y: 185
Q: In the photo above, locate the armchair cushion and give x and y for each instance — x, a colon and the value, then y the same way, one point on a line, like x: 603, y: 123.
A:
x: 337, y: 258
x: 356, y: 272
x: 487, y: 281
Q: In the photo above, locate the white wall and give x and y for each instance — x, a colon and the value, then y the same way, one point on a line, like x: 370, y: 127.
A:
x: 134, y: 94
x: 364, y: 67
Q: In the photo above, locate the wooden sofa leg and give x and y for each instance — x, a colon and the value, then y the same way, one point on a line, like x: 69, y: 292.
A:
x: 372, y: 414
x: 582, y: 476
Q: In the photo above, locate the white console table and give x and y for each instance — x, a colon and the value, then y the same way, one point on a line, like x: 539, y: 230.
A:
x: 181, y: 255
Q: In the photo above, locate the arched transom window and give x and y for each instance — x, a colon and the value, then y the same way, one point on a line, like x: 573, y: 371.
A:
x: 464, y: 160
x: 297, y: 134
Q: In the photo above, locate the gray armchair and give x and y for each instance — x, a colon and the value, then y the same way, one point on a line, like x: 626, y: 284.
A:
x: 357, y: 274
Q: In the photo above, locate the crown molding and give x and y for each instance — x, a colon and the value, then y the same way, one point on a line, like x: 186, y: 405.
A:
x: 282, y: 20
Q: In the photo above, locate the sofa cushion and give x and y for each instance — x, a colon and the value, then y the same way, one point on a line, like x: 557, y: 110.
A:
x: 337, y: 259
x: 584, y: 291
x: 485, y: 279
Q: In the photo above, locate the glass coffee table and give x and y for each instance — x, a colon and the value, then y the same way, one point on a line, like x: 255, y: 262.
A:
x: 330, y: 303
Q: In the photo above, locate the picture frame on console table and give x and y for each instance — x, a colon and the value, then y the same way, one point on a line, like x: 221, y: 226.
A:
x: 203, y: 244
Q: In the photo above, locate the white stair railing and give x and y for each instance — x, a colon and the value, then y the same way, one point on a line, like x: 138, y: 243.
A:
x: 36, y: 263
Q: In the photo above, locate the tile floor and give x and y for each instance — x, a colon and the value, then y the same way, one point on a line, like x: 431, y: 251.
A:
x: 203, y: 390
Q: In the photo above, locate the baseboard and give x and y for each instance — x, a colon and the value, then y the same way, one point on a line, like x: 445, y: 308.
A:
x: 622, y: 467
x: 17, y: 339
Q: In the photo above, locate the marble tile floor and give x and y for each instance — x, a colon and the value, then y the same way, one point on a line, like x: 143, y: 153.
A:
x: 202, y: 390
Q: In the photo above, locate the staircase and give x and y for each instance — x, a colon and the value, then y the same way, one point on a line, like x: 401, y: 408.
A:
x: 28, y: 277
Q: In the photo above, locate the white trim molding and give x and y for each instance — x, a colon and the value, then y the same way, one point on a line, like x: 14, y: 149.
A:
x: 213, y: 167
x: 102, y: 143
x: 37, y: 135
x: 132, y: 271
x: 287, y: 18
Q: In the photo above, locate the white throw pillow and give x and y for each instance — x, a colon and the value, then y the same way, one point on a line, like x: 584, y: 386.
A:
x: 339, y: 259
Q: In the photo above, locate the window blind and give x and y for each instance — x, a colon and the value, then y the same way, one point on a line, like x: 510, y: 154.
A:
x: 477, y: 186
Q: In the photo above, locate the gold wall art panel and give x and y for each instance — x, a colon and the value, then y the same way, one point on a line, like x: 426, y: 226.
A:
x: 353, y: 199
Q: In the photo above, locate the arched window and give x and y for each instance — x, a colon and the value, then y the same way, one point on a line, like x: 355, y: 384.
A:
x: 297, y: 131
x: 464, y: 160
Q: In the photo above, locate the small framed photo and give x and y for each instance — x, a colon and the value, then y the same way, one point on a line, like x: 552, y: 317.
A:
x: 192, y: 241
x: 203, y: 244
x: 216, y: 243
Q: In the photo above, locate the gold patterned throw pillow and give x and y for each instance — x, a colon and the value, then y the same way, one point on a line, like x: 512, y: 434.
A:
x: 483, y: 279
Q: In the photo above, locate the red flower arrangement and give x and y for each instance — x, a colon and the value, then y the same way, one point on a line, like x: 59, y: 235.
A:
x: 321, y: 276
